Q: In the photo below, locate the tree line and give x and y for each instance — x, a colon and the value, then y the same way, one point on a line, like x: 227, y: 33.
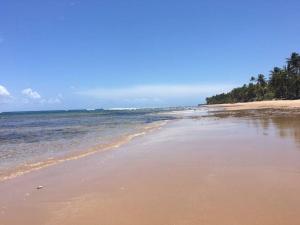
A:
x: 283, y: 83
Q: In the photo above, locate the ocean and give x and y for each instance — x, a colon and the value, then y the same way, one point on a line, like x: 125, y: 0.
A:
x: 32, y: 140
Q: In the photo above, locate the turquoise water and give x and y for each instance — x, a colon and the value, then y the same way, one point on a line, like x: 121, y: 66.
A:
x: 29, y: 138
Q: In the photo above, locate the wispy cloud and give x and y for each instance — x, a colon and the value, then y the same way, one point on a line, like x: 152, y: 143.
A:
x: 155, y: 92
x: 29, y: 93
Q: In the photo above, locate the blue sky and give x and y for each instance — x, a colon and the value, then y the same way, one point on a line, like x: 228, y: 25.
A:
x: 63, y: 54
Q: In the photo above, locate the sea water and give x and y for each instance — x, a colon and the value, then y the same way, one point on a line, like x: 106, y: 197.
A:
x: 31, y: 140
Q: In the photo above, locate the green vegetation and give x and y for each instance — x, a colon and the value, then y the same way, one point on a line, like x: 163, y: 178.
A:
x: 283, y: 83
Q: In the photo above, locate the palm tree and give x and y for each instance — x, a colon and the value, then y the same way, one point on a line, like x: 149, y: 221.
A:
x: 279, y: 82
x: 294, y: 63
x: 293, y: 69
x: 261, y: 87
x: 261, y: 80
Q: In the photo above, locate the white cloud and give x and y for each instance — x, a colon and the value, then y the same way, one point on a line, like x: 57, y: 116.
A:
x: 54, y: 100
x: 33, y: 97
x: 4, y: 92
x: 29, y: 93
x: 156, y: 92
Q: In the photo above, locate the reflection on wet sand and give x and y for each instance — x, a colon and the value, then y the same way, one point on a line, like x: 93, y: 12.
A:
x: 286, y: 123
x: 287, y: 127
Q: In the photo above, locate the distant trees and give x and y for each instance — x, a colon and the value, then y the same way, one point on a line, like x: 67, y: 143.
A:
x: 283, y: 83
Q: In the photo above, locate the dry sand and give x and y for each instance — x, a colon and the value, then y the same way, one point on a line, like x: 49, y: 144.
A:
x: 276, y: 104
x: 210, y: 171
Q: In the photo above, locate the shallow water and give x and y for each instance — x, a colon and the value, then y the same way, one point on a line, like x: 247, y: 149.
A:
x: 27, y: 139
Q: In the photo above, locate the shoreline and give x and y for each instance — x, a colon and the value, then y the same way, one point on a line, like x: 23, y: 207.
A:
x: 195, y: 170
x: 34, y: 166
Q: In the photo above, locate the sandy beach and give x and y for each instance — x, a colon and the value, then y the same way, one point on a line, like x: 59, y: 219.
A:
x: 200, y: 170
x: 275, y: 104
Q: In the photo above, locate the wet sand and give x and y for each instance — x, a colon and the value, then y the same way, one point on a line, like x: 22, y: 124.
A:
x: 218, y: 170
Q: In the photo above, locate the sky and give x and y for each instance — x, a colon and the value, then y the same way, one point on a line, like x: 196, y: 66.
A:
x: 74, y: 54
